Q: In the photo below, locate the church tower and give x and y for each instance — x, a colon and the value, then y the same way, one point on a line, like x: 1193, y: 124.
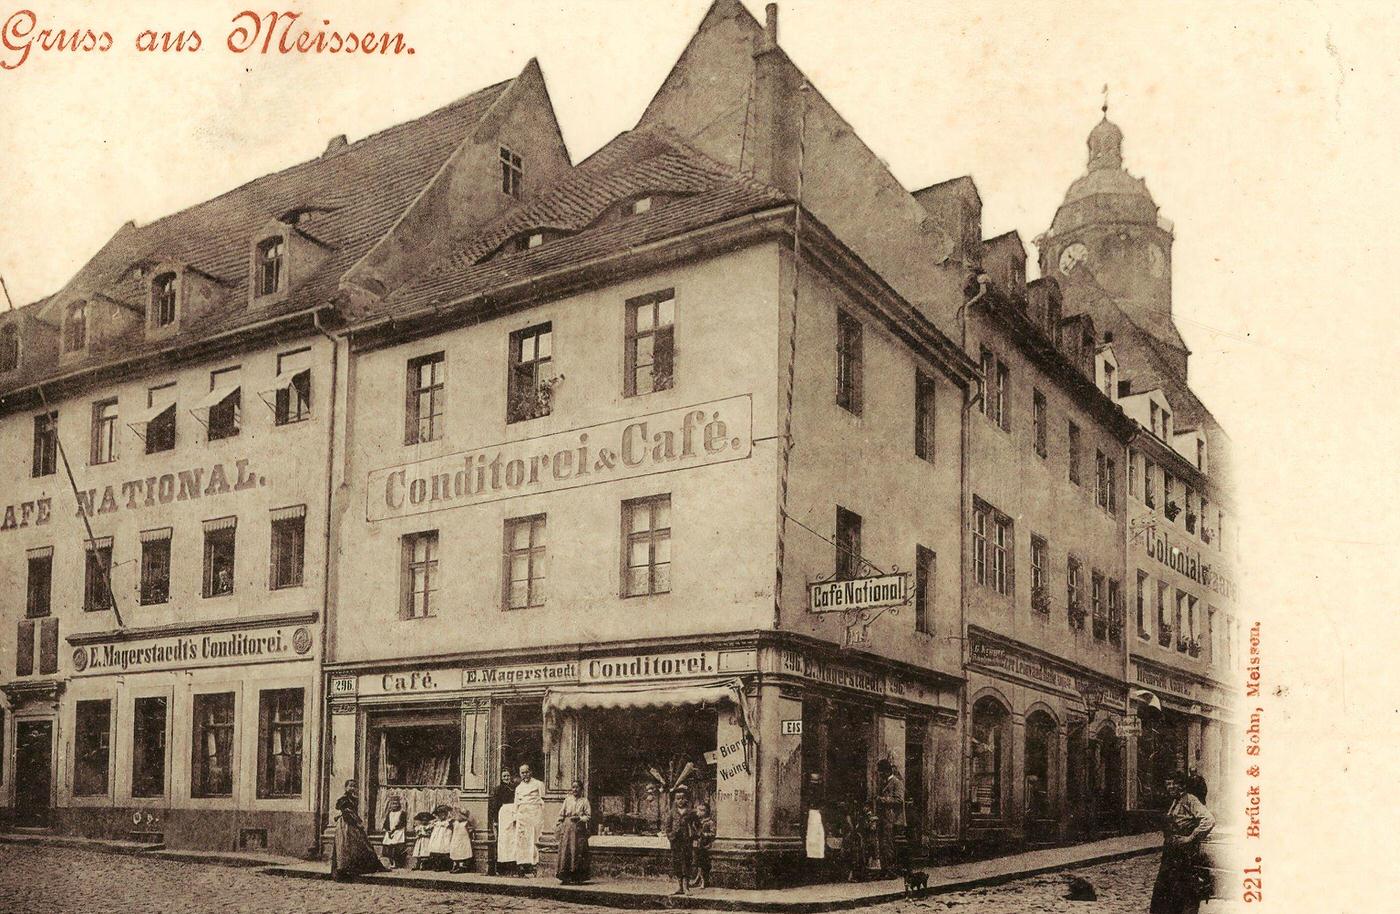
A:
x: 1111, y: 251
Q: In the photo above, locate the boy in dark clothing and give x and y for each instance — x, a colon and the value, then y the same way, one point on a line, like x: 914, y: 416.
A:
x: 685, y: 829
x: 705, y: 838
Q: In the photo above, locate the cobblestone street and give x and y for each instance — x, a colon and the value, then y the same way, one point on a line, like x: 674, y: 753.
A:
x: 52, y: 880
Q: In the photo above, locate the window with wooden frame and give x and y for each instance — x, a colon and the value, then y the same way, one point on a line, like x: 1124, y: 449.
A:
x: 1149, y: 483
x: 292, y: 400
x: 1100, y: 609
x: 224, y: 403
x: 1142, y: 605
x: 160, y: 428
x: 981, y: 520
x: 651, y: 343
x: 530, y: 382
x: 646, y: 525
x: 1039, y: 420
x: 523, y: 568
x: 512, y: 173
x: 925, y: 576
x: 104, y: 432
x: 1115, y: 612
x: 155, y: 566
x: 75, y: 327
x: 45, y: 445
x: 280, y: 737
x: 97, y: 568
x: 164, y: 296
x: 1074, y: 592
x: 1074, y: 444
x: 850, y: 363
x: 986, y: 373
x: 269, y: 265
x: 1003, y: 553
x: 1132, y: 472
x: 427, y: 377
x: 219, y: 556
x: 419, y: 574
x: 848, y: 547
x: 1111, y: 484
x: 211, y: 766
x: 923, y: 416
x: 1001, y: 397
x: 1100, y: 480
x: 288, y: 561
x: 1040, y: 581
x: 39, y: 583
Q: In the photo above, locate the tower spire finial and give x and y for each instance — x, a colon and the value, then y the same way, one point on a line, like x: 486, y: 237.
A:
x: 1105, y: 99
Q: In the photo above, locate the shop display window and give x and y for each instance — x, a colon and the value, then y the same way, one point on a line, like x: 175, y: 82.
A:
x: 148, y: 747
x: 280, y: 743
x: 91, y: 748
x: 988, y: 758
x: 211, y: 772
x: 417, y: 758
x: 636, y: 758
x: 1040, y: 764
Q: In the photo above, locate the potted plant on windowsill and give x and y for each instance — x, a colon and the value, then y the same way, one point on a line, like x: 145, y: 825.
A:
x: 1076, y: 614
x: 1164, y: 635
x: 1181, y: 643
x: 536, y: 402
x: 1171, y: 510
x: 1040, y: 599
x: 1193, y: 647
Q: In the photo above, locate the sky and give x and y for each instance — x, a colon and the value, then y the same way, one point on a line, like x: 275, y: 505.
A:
x: 1266, y: 132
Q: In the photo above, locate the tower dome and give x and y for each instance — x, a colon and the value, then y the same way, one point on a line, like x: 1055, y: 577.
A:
x: 1105, y: 192
x: 1105, y: 146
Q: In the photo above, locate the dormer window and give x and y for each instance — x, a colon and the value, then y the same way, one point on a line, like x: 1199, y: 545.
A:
x: 1108, y: 380
x: 534, y: 240
x: 163, y: 297
x: 75, y: 327
x: 1201, y: 454
x: 641, y: 205
x: 269, y: 266
x: 9, y: 347
x: 512, y: 173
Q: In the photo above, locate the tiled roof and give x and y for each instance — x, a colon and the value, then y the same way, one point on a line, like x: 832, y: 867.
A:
x: 348, y: 200
x: 695, y: 191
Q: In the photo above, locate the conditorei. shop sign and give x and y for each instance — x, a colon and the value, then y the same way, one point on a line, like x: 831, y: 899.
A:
x: 256, y: 645
x: 677, y: 439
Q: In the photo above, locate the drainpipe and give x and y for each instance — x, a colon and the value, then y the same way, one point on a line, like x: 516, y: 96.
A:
x: 983, y: 284
x: 324, y: 753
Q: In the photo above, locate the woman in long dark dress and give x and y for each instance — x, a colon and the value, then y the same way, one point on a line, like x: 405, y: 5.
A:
x: 352, y: 855
x: 574, y: 819
x: 1182, y: 880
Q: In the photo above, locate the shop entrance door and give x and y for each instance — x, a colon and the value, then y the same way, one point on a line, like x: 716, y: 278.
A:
x: 33, y: 772
x: 915, y: 797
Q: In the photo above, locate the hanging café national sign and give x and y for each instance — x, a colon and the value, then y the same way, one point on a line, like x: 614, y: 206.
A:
x: 858, y: 593
x: 676, y: 439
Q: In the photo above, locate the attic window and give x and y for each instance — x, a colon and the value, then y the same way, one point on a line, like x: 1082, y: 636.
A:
x: 512, y: 173
x: 9, y: 347
x: 75, y: 327
x: 163, y: 300
x: 641, y: 205
x: 268, y: 265
x: 534, y: 240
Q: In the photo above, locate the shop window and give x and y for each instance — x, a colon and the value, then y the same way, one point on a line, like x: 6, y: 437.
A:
x: 292, y: 400
x: 155, y: 566
x: 39, y: 591
x: 163, y: 298
x: 522, y: 738
x: 523, y: 570
x: 850, y: 363
x: 417, y: 757
x: 1040, y: 419
x: 97, y: 568
x: 923, y: 416
x: 530, y: 384
x: 1074, y: 475
x: 1040, y: 764
x: 646, y: 523
x: 651, y: 343
x: 92, y: 749
x: 219, y: 554
x: 836, y: 744
x: 512, y: 173
x: 925, y: 575
x: 269, y: 266
x: 419, y: 574
x: 637, y: 757
x: 288, y: 547
x: 280, y: 742
x: 45, y: 445
x: 224, y: 403
x: 104, y: 432
x: 848, y: 529
x: 160, y: 418
x: 423, y: 410
x: 148, y: 747
x: 211, y: 770
x: 989, y: 740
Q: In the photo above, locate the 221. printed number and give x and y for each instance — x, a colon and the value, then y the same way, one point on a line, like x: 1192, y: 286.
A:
x: 1254, y: 882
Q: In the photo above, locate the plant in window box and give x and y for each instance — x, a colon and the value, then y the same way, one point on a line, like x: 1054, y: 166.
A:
x: 1077, y: 614
x: 1164, y: 635
x: 532, y: 403
x: 1171, y: 510
x: 1181, y: 643
x: 1040, y: 599
x: 1193, y: 647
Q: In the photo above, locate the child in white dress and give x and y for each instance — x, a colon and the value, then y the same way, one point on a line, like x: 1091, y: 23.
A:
x: 461, y: 849
x: 440, y: 844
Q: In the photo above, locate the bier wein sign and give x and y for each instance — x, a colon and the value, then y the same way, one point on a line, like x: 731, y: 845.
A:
x: 858, y: 593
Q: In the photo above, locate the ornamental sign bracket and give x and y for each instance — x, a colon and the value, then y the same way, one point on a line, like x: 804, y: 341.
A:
x: 860, y: 600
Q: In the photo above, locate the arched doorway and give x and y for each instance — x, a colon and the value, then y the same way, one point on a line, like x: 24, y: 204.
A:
x: 1042, y: 745
x: 1107, y: 779
x: 989, y: 745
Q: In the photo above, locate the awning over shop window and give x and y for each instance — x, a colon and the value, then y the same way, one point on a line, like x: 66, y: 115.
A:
x: 635, y: 697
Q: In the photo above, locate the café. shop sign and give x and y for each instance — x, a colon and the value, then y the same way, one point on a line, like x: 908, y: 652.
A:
x: 676, y: 439
x: 225, y: 648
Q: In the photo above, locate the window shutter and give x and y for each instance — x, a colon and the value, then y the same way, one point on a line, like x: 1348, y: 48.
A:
x: 48, y: 647
x: 24, y: 648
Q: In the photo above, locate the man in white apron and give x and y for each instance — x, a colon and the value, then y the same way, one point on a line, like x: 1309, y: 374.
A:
x: 529, y: 818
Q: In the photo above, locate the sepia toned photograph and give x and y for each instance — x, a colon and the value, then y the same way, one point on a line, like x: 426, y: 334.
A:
x: 796, y: 457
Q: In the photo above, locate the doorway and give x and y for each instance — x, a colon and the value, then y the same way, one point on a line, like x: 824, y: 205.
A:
x: 33, y: 772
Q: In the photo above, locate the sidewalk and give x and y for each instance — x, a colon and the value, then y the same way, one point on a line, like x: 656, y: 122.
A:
x: 806, y: 899
x: 155, y: 851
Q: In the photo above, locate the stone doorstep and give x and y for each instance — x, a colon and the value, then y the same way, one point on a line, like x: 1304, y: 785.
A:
x: 803, y: 899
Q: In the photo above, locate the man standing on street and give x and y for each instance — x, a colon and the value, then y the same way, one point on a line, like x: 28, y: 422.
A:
x: 504, y: 795
x: 890, y: 805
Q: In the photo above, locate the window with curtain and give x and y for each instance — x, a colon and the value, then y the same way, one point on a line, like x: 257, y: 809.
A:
x: 211, y: 769
x: 280, y: 733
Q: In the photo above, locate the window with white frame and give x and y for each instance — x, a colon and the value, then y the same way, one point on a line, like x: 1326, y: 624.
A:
x: 646, y: 524
x: 523, y: 569
x: 419, y: 574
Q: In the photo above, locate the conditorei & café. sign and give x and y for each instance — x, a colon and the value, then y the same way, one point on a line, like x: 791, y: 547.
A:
x: 251, y: 645
x: 677, y: 439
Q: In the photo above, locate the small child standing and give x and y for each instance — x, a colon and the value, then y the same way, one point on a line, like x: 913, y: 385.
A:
x: 395, y: 830
x: 461, y: 848
x: 423, y: 835
x: 705, y: 838
x: 440, y: 843
x: 685, y: 829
